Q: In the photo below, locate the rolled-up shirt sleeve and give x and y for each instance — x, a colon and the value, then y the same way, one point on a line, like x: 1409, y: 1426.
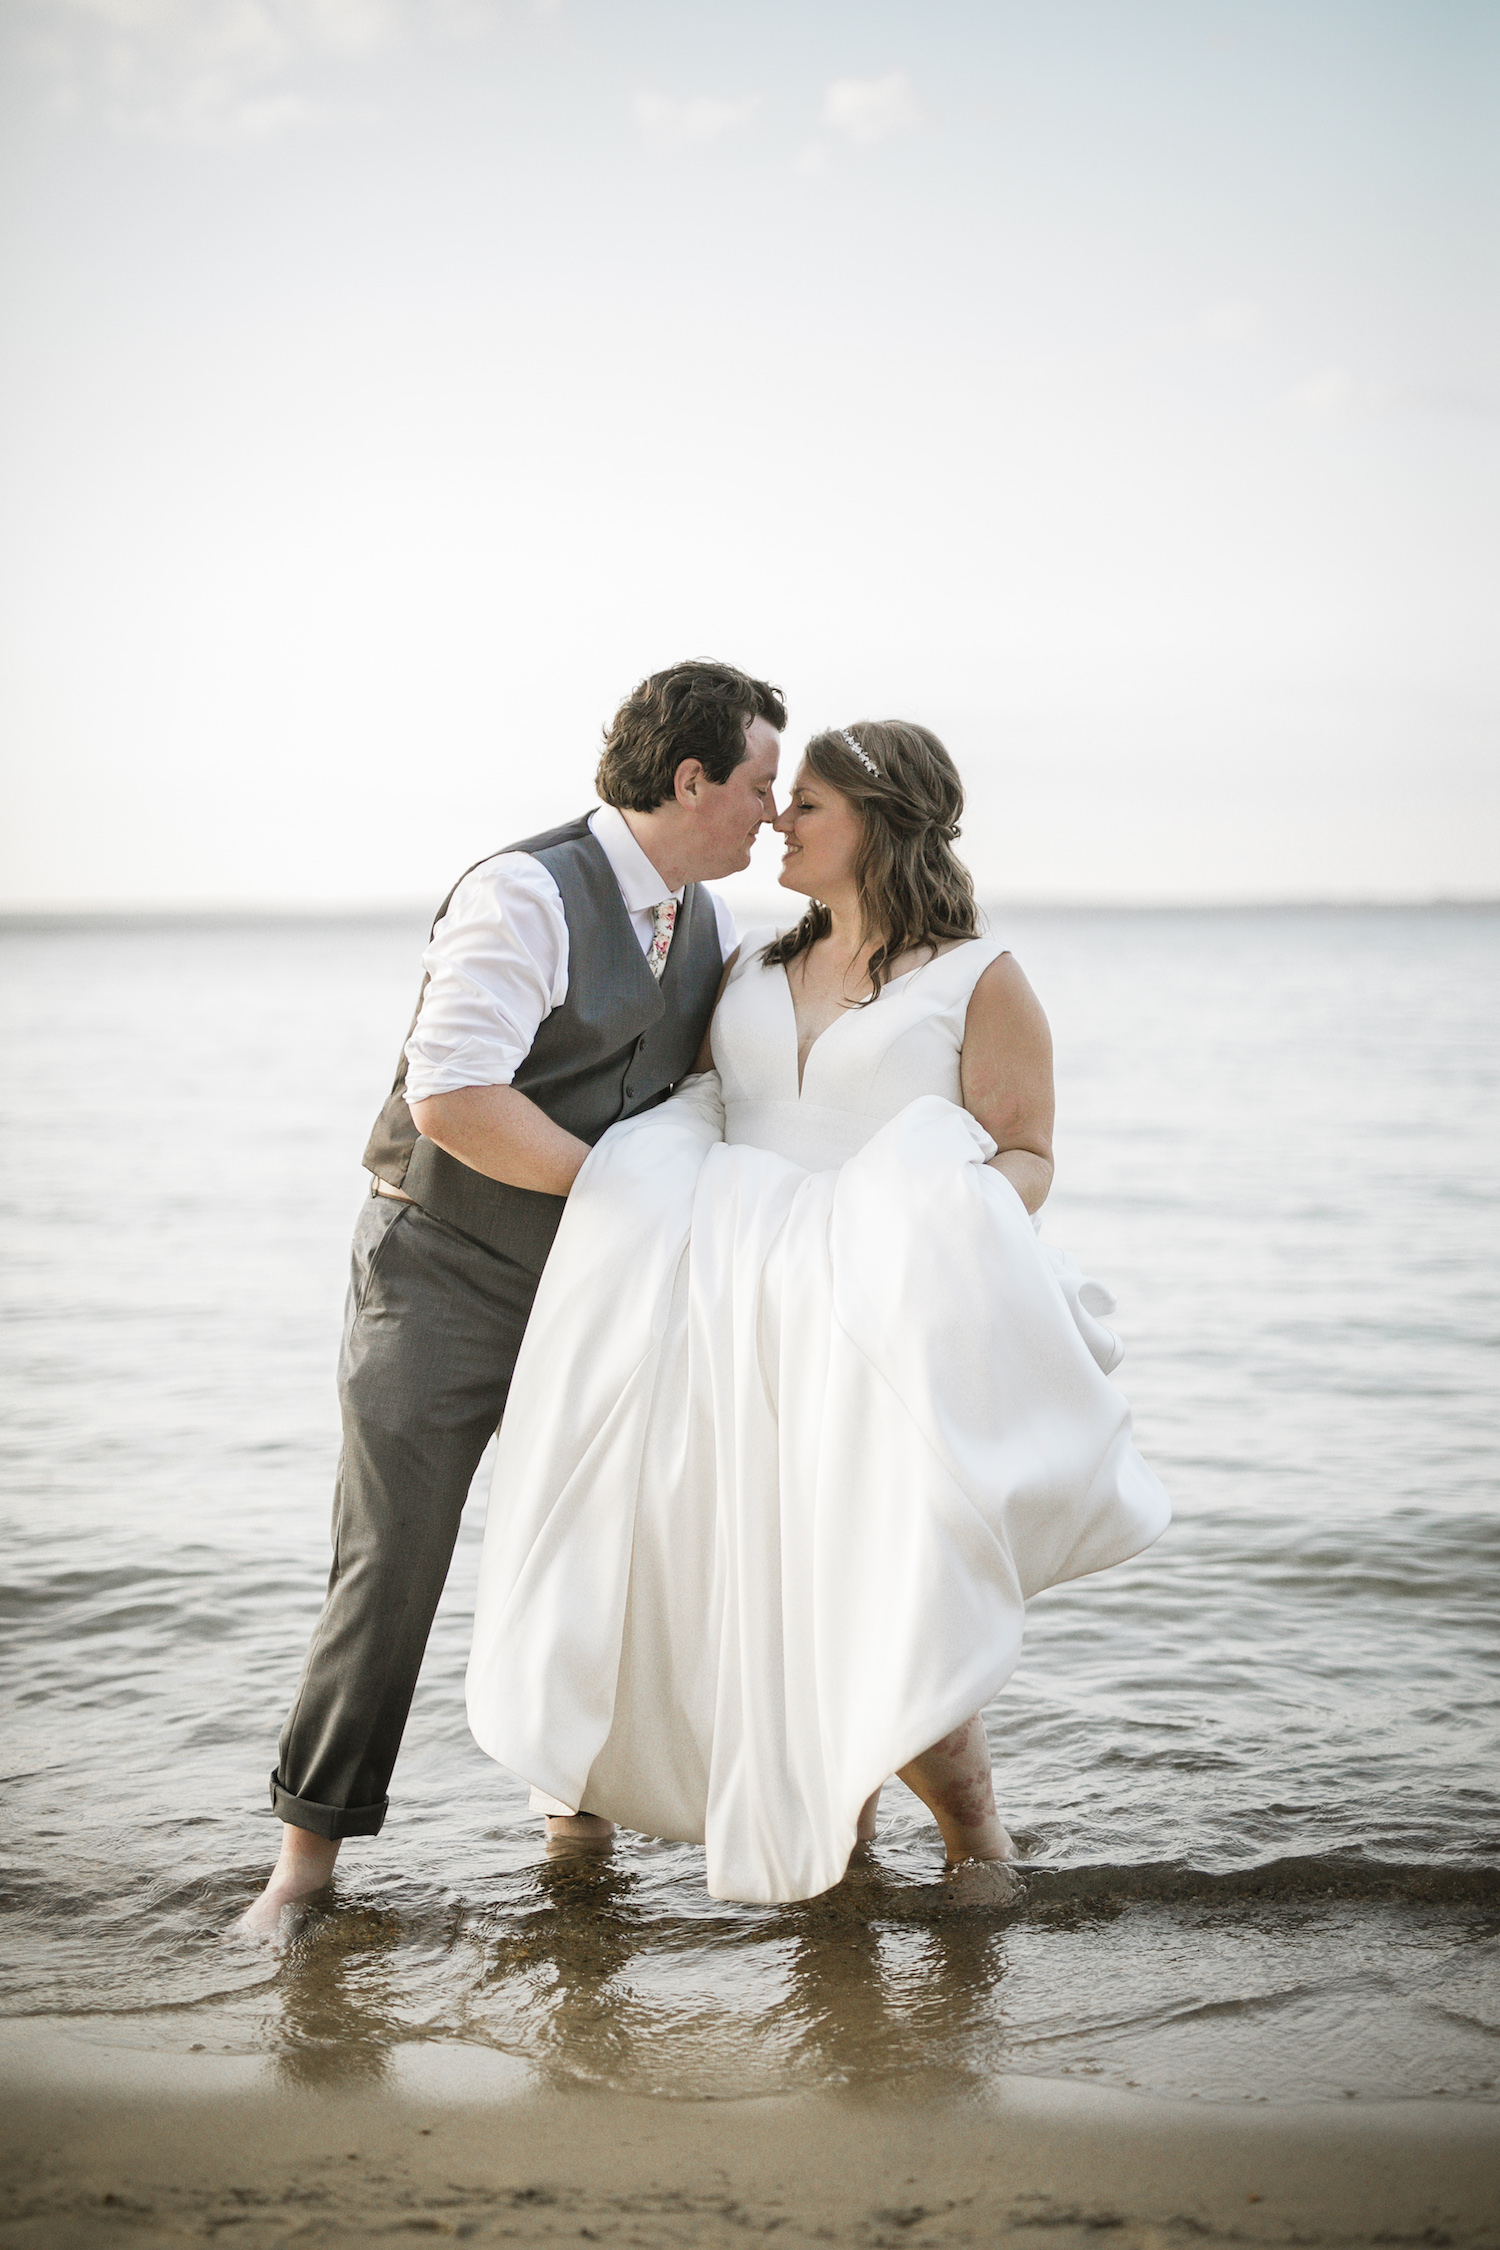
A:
x: 497, y: 965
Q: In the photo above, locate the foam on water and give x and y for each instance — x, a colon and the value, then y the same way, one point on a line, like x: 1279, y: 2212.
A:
x: 1257, y: 1771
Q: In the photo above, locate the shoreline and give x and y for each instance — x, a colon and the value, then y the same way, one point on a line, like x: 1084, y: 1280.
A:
x: 106, y: 2144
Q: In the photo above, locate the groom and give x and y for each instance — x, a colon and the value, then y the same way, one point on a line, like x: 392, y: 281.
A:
x: 569, y: 982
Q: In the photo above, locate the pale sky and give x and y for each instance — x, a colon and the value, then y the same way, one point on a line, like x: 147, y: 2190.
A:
x: 1113, y: 385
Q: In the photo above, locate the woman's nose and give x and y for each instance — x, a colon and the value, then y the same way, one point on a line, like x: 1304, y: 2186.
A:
x: 783, y: 821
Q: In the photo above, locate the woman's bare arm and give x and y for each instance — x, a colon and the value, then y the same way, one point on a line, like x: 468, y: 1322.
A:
x: 1006, y: 1074
x: 704, y: 1059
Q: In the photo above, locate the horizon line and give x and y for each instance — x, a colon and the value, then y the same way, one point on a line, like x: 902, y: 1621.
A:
x: 399, y: 909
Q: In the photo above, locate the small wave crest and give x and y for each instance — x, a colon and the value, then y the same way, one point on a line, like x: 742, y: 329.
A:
x: 1300, y: 1879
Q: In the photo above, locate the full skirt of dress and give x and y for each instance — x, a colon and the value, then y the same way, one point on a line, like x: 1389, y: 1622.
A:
x: 786, y: 1453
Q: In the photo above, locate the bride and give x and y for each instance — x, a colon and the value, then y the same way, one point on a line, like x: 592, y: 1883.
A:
x: 805, y: 1412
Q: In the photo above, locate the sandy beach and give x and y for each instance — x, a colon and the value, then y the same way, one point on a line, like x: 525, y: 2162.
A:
x: 105, y: 2145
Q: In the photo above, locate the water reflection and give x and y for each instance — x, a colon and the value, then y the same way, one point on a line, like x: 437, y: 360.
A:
x: 886, y: 1977
x: 576, y: 1968
x: 879, y: 1977
x: 558, y: 1973
x: 337, y: 1996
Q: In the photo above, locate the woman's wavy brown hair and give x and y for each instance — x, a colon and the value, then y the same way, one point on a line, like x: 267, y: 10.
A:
x: 913, y: 889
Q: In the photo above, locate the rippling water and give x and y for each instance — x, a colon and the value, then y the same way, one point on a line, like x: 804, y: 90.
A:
x: 1256, y: 1772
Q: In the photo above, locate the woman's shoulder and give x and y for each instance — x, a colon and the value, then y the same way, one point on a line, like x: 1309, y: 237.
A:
x: 753, y: 944
x: 959, y: 967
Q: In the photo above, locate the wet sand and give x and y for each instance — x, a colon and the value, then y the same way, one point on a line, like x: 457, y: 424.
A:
x: 103, y: 2145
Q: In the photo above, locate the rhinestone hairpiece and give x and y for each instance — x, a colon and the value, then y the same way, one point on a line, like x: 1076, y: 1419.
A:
x: 863, y: 755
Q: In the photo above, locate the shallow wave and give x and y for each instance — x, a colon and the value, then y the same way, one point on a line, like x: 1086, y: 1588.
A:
x: 1272, y: 1882
x: 1257, y: 1772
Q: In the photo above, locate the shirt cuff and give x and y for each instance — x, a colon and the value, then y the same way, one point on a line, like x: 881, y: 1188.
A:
x: 469, y: 1065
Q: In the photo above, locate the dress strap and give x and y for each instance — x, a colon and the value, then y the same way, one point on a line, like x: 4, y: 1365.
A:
x: 962, y: 966
x: 751, y: 942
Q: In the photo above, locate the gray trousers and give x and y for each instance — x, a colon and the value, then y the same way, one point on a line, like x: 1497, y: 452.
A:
x: 431, y: 1331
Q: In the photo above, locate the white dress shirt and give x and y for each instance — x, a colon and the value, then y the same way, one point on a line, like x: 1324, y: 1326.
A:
x: 497, y: 962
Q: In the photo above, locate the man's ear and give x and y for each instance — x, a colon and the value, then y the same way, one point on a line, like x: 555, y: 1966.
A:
x: 687, y: 782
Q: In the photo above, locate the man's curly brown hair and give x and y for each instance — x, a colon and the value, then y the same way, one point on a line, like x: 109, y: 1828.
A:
x: 694, y: 710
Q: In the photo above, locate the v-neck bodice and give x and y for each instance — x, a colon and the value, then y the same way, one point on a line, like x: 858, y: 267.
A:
x: 860, y: 1072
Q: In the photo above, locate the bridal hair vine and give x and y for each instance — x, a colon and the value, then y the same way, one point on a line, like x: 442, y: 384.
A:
x: 863, y: 755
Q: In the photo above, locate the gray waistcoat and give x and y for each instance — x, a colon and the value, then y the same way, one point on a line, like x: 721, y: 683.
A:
x: 617, y: 1045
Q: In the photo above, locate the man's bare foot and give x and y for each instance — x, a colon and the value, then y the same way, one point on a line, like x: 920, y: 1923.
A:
x: 305, y: 1865
x: 577, y: 1832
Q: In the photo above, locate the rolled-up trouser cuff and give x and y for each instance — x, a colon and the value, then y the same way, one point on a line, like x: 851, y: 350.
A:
x: 332, y: 1821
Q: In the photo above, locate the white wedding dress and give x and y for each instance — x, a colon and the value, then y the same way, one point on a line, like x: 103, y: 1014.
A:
x: 804, y: 1414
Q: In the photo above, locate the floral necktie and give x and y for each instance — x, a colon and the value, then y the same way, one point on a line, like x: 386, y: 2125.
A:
x: 663, y: 920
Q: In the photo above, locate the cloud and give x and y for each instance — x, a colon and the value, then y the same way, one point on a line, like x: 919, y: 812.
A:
x: 254, y: 31
x: 693, y: 123
x: 867, y: 111
x: 1331, y: 391
x: 1334, y: 394
x: 215, y: 71
x: 1231, y: 322
x: 1445, y: 398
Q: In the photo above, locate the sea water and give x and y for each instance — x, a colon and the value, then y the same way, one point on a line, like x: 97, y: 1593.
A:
x: 1255, y: 1772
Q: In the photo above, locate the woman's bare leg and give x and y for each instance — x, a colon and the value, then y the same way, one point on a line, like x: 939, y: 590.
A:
x: 865, y: 1832
x: 577, y: 1831
x: 954, y: 1782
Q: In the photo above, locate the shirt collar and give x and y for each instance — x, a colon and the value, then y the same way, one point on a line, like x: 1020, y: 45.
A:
x: 640, y: 885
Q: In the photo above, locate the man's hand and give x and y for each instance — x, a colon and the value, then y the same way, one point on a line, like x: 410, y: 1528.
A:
x: 497, y: 1131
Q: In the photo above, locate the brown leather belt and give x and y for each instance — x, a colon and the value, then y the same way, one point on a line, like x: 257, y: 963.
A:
x: 378, y: 1186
